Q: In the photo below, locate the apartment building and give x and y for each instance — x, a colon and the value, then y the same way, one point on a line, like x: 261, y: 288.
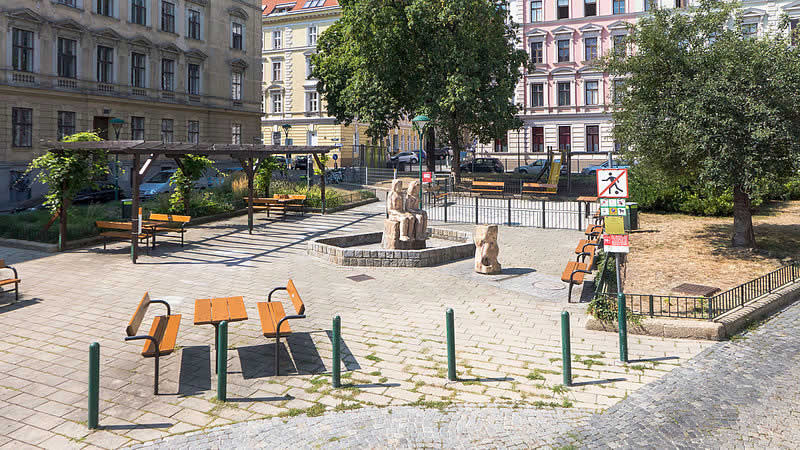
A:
x: 172, y: 70
x: 290, y: 32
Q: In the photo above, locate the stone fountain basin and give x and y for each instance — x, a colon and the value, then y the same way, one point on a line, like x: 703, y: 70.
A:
x: 364, y: 250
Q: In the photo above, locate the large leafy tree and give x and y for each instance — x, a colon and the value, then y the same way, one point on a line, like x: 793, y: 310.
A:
x: 703, y: 100
x: 453, y: 60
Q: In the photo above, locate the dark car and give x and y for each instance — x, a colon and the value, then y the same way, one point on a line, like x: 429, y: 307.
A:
x: 301, y: 163
x: 101, y: 194
x: 482, y: 165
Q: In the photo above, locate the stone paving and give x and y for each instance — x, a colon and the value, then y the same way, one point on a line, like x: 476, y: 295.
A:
x: 507, y: 341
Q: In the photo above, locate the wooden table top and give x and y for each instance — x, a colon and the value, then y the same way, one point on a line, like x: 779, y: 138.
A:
x: 585, y: 198
x: 216, y: 310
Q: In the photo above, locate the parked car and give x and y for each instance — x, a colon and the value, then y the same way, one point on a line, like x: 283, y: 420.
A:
x: 217, y: 178
x: 482, y: 165
x: 592, y: 170
x: 534, y: 168
x: 301, y: 163
x: 442, y: 153
x: 406, y: 157
x: 101, y: 194
x: 157, y: 184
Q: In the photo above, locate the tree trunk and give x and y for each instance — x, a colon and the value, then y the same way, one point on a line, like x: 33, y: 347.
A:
x: 186, y: 195
x: 743, y: 235
x: 455, y: 143
x: 430, y: 149
x: 62, y: 225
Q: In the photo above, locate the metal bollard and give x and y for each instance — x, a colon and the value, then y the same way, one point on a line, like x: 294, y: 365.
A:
x: 622, y: 324
x: 336, y: 371
x: 566, y: 351
x: 451, y: 346
x: 94, y: 384
x: 222, y: 362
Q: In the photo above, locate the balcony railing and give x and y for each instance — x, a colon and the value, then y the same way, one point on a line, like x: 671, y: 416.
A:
x: 23, y: 78
x: 67, y: 83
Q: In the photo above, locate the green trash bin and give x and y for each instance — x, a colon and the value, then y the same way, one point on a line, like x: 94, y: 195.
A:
x: 632, y: 219
x: 127, y: 205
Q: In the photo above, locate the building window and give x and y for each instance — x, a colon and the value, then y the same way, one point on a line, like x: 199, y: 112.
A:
x: 564, y: 138
x: 592, y: 138
x: 168, y: 17
x: 236, y: 134
x: 138, y: 70
x: 563, y: 93
x: 276, y: 71
x: 22, y: 59
x: 681, y: 3
x: 537, y: 52
x: 193, y: 132
x: 236, y: 85
x: 277, y: 39
x: 105, y: 8
x: 538, y: 139
x: 562, y: 10
x: 312, y: 102
x: 236, y: 32
x: 793, y: 30
x: 536, y: 11
x: 137, y: 128
x: 139, y: 12
x: 194, y: 79
x: 590, y: 48
x: 312, y: 35
x: 589, y: 8
x: 648, y: 4
x: 66, y: 2
x: 563, y: 50
x: 276, y: 138
x: 167, y: 130
x: 501, y: 145
x: 66, y: 124
x: 750, y: 30
x: 277, y: 103
x: 309, y: 68
x: 619, y: 7
x: 592, y: 92
x: 167, y: 75
x: 194, y: 24
x: 105, y: 64
x: 22, y: 127
x: 618, y: 91
x: 619, y: 45
x: 537, y: 95
x: 67, y: 58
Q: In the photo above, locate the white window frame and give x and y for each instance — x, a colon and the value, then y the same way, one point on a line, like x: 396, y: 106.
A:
x: 277, y: 70
x: 236, y: 90
x: 244, y: 34
x: 599, y: 98
x: 312, y: 34
x: 276, y: 99
x: 312, y: 102
x: 543, y: 82
x: 277, y: 39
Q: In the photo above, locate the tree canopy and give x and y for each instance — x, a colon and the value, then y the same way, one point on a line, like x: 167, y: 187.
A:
x: 703, y: 99
x: 455, y: 61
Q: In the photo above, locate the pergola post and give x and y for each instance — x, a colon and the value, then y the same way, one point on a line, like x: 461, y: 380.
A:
x: 135, y: 209
x: 321, y: 181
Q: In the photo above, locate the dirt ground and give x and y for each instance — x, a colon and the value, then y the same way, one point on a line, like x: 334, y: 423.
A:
x: 670, y: 249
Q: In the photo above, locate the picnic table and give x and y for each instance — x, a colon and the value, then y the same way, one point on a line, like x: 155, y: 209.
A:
x: 216, y: 310
x: 586, y: 199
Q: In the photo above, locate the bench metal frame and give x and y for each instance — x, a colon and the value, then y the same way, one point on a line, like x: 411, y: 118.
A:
x: 16, y: 283
x: 154, y: 341
x: 278, y: 330
x: 572, y: 281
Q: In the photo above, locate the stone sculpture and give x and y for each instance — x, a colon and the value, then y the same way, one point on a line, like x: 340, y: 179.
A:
x: 486, y: 250
x: 400, y: 228
x: 419, y: 215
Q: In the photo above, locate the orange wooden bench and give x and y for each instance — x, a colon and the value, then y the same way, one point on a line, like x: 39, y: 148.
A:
x: 120, y: 230
x: 163, y: 333
x: 489, y: 187
x: 539, y: 188
x: 168, y: 223
x: 268, y: 204
x: 593, y: 230
x: 14, y: 280
x: 573, y: 274
x: 273, y: 317
x: 586, y: 248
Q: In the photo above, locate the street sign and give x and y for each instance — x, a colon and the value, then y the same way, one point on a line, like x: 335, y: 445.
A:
x: 612, y: 207
x: 612, y: 183
x: 427, y: 177
x: 614, y: 225
x: 335, y: 156
x: 616, y: 243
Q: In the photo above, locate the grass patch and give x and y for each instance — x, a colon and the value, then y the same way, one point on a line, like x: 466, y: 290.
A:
x: 559, y: 389
x: 535, y: 375
x: 347, y: 407
x: 374, y: 358
x: 375, y: 373
x: 432, y: 404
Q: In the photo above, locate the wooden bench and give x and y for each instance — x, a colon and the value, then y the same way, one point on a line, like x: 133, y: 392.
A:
x: 586, y: 248
x: 298, y: 203
x: 539, y: 188
x: 14, y: 280
x: 120, y: 230
x: 273, y: 316
x: 489, y: 187
x: 163, y: 333
x: 573, y: 274
x: 268, y: 204
x: 593, y: 230
x: 168, y: 223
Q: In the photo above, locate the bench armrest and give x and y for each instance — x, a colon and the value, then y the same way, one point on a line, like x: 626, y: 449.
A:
x: 144, y: 336
x: 588, y: 244
x: 269, y: 297
x: 163, y: 302
x: 284, y: 319
x: 12, y: 269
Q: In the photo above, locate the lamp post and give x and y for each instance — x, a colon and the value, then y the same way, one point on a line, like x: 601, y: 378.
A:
x: 286, y: 127
x: 420, y: 123
x: 117, y: 124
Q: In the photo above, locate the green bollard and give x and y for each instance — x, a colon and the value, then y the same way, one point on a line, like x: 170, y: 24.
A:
x: 622, y: 324
x: 336, y: 371
x: 451, y: 346
x: 94, y: 384
x: 566, y: 356
x: 222, y: 362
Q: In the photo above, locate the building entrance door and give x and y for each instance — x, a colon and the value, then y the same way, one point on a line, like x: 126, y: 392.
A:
x: 100, y: 126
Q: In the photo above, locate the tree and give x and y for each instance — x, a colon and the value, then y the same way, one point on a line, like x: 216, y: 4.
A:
x: 263, y: 177
x: 65, y: 172
x: 454, y: 61
x: 703, y: 100
x: 191, y: 169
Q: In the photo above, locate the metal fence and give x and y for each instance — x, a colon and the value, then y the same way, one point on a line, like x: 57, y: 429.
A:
x: 753, y: 289
x: 508, y: 211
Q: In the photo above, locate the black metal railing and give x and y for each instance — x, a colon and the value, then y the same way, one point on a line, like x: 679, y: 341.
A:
x: 753, y: 289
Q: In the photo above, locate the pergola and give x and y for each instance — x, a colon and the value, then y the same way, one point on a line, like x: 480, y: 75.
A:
x: 144, y: 153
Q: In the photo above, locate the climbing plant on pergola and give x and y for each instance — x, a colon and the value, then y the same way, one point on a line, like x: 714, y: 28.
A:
x: 144, y: 153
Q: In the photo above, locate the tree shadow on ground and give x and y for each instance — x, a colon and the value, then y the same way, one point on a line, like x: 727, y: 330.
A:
x: 772, y: 241
x: 141, y: 426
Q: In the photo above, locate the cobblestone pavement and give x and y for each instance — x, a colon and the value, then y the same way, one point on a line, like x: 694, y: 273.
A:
x: 507, y: 340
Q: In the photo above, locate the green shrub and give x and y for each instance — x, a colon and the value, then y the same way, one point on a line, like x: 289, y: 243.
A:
x: 28, y: 225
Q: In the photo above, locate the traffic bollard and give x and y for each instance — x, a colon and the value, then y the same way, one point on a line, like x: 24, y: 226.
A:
x: 336, y: 371
x: 94, y: 384
x: 222, y: 362
x: 622, y: 325
x: 566, y: 356
x: 451, y: 346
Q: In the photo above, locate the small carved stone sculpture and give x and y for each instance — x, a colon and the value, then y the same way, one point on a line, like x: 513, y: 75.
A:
x: 486, y: 250
x: 420, y: 216
x: 399, y: 229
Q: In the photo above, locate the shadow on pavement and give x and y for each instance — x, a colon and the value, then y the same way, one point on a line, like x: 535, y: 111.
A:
x: 662, y: 358
x: 348, y: 358
x: 16, y: 305
x: 195, y: 375
x: 593, y: 382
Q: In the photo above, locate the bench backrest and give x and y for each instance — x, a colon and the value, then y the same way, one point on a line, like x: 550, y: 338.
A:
x: 113, y: 225
x: 2, y: 263
x: 297, y: 197
x: 169, y: 217
x: 281, y: 196
x: 138, y: 316
x: 489, y: 184
x: 296, y: 301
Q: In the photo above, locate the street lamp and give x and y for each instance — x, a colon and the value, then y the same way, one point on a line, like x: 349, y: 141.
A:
x: 286, y: 127
x: 420, y: 123
x: 117, y: 124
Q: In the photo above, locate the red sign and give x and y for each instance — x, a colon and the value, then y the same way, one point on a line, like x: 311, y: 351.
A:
x: 616, y: 243
x: 427, y: 177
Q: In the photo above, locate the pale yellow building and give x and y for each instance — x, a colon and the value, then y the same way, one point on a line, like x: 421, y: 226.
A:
x: 290, y: 32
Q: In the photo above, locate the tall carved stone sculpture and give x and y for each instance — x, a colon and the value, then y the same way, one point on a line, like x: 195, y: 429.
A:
x: 399, y: 229
x: 420, y: 216
x: 486, y: 250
